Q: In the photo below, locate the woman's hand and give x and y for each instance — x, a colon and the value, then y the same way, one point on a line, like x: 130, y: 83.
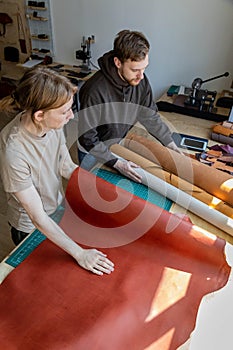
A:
x: 89, y: 259
x: 95, y: 261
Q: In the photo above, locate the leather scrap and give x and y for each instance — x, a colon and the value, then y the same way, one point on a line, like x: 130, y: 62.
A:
x: 220, y: 129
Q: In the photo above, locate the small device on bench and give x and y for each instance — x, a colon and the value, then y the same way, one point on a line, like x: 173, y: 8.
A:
x: 190, y: 142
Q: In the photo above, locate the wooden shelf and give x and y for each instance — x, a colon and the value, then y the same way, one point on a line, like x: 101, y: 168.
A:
x: 40, y: 24
x: 32, y: 18
x: 37, y: 8
x: 41, y: 53
x: 35, y: 37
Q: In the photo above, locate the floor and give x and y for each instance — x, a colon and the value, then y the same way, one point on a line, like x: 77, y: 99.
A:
x: 6, y: 244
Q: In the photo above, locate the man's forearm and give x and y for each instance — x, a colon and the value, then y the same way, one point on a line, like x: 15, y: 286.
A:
x: 100, y: 151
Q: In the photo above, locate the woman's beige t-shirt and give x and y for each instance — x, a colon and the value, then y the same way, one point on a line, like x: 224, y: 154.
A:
x: 28, y: 160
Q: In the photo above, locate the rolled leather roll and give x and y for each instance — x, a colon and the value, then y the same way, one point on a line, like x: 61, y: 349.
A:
x: 174, y: 180
x: 212, y: 180
x: 219, y: 129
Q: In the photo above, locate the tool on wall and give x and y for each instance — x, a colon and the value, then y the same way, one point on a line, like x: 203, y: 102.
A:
x: 4, y: 20
x: 21, y: 33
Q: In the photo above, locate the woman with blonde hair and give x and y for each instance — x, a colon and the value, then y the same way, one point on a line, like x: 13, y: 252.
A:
x: 34, y: 158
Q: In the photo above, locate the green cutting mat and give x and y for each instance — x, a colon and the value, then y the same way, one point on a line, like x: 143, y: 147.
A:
x: 137, y: 189
x: 31, y: 242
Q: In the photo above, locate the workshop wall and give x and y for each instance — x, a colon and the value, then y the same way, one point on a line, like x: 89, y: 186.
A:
x: 188, y: 39
x: 15, y: 40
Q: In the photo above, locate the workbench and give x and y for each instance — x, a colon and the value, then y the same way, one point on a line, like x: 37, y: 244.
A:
x: 12, y: 72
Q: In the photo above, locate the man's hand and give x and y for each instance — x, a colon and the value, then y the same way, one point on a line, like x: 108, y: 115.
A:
x: 127, y: 168
x: 95, y: 261
x: 173, y: 146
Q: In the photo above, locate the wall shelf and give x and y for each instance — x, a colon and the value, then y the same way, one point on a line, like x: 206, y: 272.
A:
x: 35, y: 37
x: 37, y: 8
x: 40, y: 23
x: 38, y: 51
x: 32, y: 18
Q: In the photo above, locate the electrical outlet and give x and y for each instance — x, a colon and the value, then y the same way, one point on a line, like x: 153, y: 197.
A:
x: 91, y: 39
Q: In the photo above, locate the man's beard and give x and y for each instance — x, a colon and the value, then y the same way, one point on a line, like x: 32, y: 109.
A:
x: 132, y: 82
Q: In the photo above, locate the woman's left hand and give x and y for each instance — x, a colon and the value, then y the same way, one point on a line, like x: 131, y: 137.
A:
x: 95, y: 261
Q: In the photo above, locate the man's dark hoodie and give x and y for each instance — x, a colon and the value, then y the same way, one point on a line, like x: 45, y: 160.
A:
x: 109, y: 107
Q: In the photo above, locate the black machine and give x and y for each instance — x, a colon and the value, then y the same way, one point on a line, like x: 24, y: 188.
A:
x: 197, y: 102
x: 85, y: 54
x: 202, y: 99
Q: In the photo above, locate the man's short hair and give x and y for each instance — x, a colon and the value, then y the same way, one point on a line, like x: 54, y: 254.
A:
x: 131, y: 45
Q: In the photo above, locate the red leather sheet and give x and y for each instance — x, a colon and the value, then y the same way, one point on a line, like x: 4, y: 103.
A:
x: 151, y: 299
